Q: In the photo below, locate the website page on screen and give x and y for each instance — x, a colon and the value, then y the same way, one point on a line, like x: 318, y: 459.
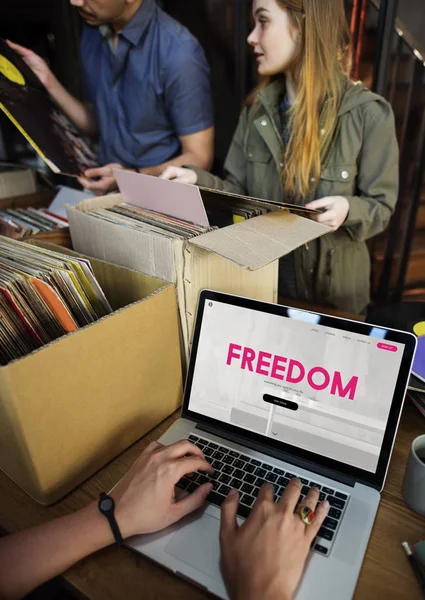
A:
x: 324, y: 390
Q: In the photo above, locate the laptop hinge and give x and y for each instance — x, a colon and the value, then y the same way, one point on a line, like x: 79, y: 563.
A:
x: 284, y: 456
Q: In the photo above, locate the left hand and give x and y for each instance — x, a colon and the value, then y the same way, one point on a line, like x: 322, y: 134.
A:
x: 337, y: 208
x: 105, y: 184
x: 145, y: 498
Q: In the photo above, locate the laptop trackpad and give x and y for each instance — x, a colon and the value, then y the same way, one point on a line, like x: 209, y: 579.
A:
x: 197, y: 544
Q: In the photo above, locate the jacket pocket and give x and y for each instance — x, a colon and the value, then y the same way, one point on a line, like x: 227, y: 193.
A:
x: 337, y: 180
x: 344, y: 272
x: 255, y: 155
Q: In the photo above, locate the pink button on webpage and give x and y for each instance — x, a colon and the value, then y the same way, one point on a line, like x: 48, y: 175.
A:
x: 388, y: 347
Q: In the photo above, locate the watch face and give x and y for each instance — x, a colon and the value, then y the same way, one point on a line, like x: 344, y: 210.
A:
x: 106, y: 504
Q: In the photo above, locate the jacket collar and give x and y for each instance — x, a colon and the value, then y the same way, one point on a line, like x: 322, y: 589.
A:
x: 270, y: 99
x: 271, y: 95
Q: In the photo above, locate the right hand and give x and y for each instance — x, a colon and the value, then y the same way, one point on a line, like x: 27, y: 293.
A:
x: 106, y: 181
x: 144, y: 498
x: 180, y: 174
x: 36, y: 64
x: 265, y: 557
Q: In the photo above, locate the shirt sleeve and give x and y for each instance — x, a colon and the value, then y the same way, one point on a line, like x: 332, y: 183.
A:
x: 188, y: 90
x: 378, y: 176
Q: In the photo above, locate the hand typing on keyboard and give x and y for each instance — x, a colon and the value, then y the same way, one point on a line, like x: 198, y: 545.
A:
x: 145, y: 497
x: 265, y: 556
x: 247, y: 474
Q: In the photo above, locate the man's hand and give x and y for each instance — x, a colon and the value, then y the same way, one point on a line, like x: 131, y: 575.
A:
x: 180, y: 174
x: 82, y: 115
x: 264, y: 558
x: 337, y: 208
x: 145, y: 499
x: 106, y: 181
x: 36, y: 64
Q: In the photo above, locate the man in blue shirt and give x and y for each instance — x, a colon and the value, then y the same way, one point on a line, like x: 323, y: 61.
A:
x: 147, y: 90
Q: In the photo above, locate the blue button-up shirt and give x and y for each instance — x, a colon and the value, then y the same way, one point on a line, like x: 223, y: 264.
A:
x: 151, y: 89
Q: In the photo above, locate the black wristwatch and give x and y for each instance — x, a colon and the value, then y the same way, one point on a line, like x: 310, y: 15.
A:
x: 107, y: 507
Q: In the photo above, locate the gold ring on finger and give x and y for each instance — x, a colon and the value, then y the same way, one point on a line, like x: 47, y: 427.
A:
x: 306, y: 514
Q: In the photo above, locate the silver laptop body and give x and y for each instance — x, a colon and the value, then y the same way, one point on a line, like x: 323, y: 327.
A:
x: 274, y: 392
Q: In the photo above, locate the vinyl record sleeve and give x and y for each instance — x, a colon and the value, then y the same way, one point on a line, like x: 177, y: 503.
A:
x: 27, y: 104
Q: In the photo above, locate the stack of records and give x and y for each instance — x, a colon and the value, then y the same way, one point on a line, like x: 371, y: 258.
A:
x: 43, y: 295
x: 222, y: 210
x: 18, y: 223
x: 135, y: 217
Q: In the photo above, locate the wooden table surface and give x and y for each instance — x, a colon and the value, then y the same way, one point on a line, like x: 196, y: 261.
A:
x: 118, y: 574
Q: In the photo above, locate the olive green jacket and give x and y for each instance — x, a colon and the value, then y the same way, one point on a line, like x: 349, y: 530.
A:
x: 362, y: 166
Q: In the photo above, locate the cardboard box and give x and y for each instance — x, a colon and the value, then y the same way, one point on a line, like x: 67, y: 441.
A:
x: 40, y: 199
x: 70, y: 407
x: 239, y: 259
x: 17, y: 182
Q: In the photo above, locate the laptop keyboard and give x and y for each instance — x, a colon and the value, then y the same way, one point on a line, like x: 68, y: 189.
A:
x: 246, y: 474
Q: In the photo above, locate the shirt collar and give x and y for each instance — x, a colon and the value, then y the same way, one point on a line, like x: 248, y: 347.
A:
x: 134, y: 30
x: 284, y: 105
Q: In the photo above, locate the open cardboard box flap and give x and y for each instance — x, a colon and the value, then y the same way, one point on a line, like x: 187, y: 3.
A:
x: 257, y: 242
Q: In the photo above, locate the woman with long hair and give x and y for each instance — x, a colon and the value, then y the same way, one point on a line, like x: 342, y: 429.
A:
x: 311, y: 136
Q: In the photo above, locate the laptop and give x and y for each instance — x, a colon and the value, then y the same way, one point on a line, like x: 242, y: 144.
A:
x: 274, y: 392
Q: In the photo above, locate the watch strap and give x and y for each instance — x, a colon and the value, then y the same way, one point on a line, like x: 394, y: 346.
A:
x: 110, y: 515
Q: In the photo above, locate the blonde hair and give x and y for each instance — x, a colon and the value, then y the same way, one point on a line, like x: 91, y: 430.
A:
x: 323, y: 57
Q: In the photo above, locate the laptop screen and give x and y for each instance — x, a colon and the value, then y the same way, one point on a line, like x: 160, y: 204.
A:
x: 296, y: 379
